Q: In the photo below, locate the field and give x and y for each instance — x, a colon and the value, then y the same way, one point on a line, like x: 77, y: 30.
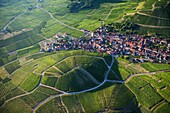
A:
x: 153, y: 17
x: 30, y: 23
x: 123, y: 68
x: 78, y: 77
x: 77, y: 81
x: 152, y: 91
x: 26, y: 23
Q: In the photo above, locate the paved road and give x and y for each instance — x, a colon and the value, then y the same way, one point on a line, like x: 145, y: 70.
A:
x: 46, y: 100
x: 116, y: 81
x: 146, y: 73
x: 63, y: 93
x: 73, y: 93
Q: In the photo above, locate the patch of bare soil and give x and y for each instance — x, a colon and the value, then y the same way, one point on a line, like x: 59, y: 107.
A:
x: 4, y: 36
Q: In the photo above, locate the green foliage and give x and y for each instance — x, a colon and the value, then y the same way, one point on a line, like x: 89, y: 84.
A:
x: 47, y: 90
x: 112, y: 76
x: 163, y: 108
x: 29, y: 101
x: 53, y: 106
x: 54, y: 71
x: 6, y: 88
x: 153, y: 16
x: 144, y: 92
x: 11, y: 67
x: 75, y: 5
x: 72, y: 103
x: 97, y: 69
x: 49, y: 107
x: 34, y: 49
x: 84, y: 71
x: 77, y: 80
x: 16, y: 106
x: 155, y: 66
x: 14, y: 92
x: 50, y: 81
x: 108, y: 97
x: 38, y: 96
x: 17, y: 38
x: 3, y: 73
x: 30, y: 82
x: 23, y: 52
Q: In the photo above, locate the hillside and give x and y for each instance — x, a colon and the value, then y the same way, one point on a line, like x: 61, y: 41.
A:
x: 153, y: 17
x: 29, y: 22
x: 39, y: 73
x: 75, y: 77
x: 76, y: 5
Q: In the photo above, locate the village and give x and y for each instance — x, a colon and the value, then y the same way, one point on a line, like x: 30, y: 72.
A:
x: 135, y: 48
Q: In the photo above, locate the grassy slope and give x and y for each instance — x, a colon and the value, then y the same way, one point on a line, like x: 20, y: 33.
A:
x: 47, y: 27
x: 86, y: 19
x: 151, y: 91
x: 155, y: 15
x: 22, y: 75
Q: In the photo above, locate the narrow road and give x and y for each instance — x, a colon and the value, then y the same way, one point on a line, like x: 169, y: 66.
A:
x: 53, y: 89
x: 4, y: 28
x: 87, y: 90
x: 153, y: 6
x: 143, y: 25
x: 46, y: 100
x: 63, y: 92
x: 109, y: 14
x: 147, y: 73
x: 56, y: 19
x: 116, y: 81
x: 20, y: 95
x: 73, y: 93
x: 152, y: 16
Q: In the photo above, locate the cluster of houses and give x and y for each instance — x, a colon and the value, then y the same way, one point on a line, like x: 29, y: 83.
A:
x: 139, y: 48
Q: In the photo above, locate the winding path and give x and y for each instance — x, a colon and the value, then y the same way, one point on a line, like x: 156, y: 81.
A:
x: 153, y: 6
x: 152, y: 16
x: 56, y: 19
x: 147, y: 73
x: 73, y: 93
x: 5, y: 27
x: 151, y: 26
x: 109, y: 14
x: 63, y: 93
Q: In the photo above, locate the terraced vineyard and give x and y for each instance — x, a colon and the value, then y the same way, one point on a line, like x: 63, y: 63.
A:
x: 27, y: 22
x: 77, y: 80
x: 153, y: 17
x: 80, y: 81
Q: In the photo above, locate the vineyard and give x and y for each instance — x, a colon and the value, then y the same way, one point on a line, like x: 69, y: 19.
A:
x: 71, y: 81
x: 81, y: 81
